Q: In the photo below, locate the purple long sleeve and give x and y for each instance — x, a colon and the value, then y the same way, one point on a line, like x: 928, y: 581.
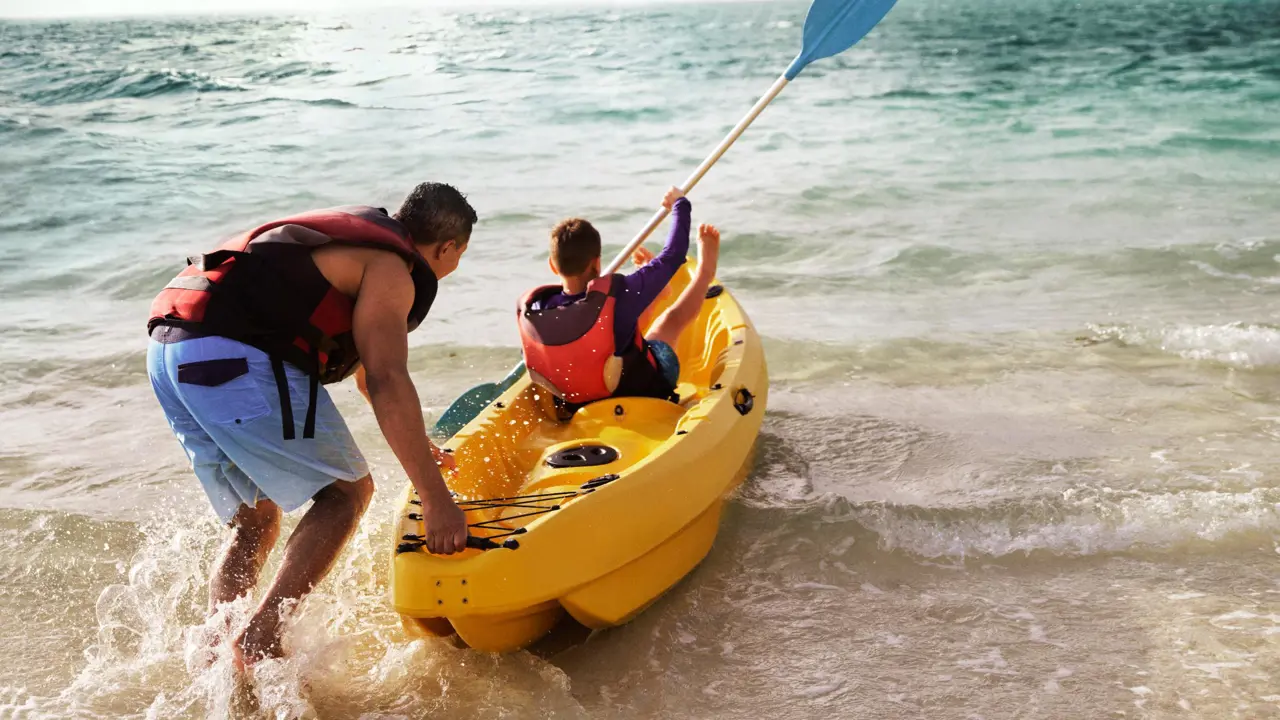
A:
x: 641, y: 288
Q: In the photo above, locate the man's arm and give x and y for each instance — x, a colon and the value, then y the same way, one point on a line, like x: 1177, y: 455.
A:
x: 381, y: 333
x: 443, y: 459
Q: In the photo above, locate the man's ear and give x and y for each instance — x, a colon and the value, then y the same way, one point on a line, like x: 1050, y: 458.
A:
x: 460, y: 243
x: 595, y: 265
x: 551, y: 263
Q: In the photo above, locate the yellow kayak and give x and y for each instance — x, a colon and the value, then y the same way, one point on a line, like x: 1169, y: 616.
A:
x: 596, y: 515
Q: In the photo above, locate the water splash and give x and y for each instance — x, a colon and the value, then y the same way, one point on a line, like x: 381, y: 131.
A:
x: 156, y: 655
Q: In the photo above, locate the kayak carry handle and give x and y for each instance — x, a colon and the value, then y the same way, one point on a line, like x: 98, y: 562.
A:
x: 743, y: 401
x: 476, y: 543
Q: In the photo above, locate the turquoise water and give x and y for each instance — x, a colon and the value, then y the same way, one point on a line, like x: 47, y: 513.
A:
x: 1016, y: 265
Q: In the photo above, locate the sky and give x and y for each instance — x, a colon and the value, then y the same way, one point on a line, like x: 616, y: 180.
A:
x: 82, y: 8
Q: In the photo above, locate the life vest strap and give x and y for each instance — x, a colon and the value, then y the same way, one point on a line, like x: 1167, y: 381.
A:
x: 209, y: 261
x: 286, y: 404
x: 309, y: 425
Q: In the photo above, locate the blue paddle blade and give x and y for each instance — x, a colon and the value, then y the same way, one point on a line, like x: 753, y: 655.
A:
x: 473, y: 402
x: 833, y: 26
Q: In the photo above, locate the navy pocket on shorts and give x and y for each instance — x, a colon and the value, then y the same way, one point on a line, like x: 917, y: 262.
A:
x: 222, y: 391
x: 212, y: 373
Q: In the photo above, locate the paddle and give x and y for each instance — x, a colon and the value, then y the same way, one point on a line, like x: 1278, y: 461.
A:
x: 831, y: 27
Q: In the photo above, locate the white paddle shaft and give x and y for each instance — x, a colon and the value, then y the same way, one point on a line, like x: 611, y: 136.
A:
x: 720, y: 150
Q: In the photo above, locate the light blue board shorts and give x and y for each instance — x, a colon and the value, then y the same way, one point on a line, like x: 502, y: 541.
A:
x: 226, y: 414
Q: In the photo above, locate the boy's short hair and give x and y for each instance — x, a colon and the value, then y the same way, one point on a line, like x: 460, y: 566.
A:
x: 574, y: 245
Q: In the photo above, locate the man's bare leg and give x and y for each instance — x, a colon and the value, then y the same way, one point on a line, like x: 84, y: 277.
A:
x: 256, y: 531
x: 312, y: 549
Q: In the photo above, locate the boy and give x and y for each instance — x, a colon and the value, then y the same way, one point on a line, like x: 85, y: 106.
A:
x: 582, y: 339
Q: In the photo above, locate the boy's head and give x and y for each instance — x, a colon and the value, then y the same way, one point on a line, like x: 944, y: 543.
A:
x: 439, y: 219
x: 575, y: 249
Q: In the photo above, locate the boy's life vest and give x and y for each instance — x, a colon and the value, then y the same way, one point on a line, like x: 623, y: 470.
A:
x: 572, y: 350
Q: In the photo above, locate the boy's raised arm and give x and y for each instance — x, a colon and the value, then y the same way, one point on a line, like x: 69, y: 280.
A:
x: 641, y: 288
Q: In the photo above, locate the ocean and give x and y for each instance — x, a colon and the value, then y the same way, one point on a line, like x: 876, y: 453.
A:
x: 1016, y: 264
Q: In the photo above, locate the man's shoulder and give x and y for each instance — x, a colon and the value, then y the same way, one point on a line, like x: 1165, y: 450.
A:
x: 345, y: 267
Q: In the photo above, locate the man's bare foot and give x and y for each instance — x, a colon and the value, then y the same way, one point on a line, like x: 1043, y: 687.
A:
x: 243, y: 702
x: 259, y: 641
x: 204, y: 642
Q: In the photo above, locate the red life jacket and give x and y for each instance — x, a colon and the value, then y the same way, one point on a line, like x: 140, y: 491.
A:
x: 572, y: 350
x: 264, y: 289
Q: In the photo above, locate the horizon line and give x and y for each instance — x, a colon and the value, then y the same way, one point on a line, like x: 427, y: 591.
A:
x: 247, y: 8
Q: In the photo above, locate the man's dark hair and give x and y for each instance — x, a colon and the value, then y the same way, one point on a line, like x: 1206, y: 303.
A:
x: 575, y: 244
x: 436, y: 212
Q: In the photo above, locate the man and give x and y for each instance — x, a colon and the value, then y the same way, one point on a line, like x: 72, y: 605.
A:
x: 243, y: 339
